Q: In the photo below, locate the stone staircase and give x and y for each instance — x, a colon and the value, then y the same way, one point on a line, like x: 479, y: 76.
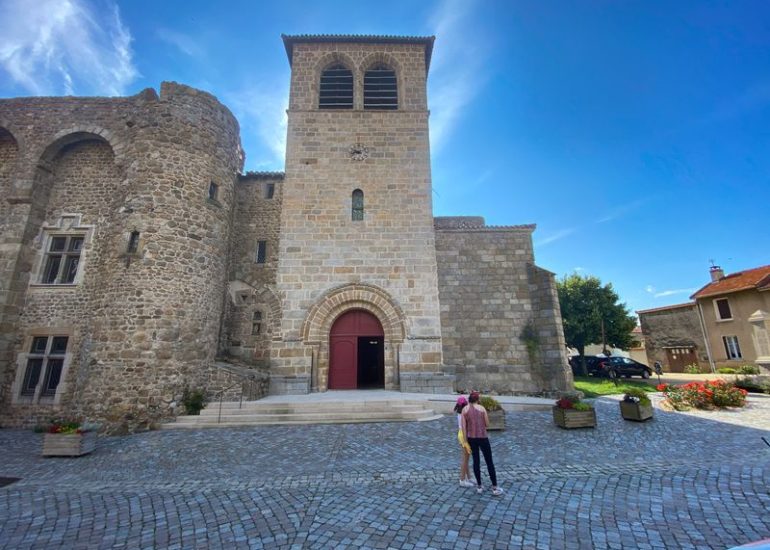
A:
x: 263, y: 413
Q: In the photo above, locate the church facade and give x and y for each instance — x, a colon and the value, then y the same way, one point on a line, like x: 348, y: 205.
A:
x: 136, y: 259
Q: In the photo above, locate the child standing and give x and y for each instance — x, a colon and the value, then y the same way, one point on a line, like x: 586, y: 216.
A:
x: 465, y: 448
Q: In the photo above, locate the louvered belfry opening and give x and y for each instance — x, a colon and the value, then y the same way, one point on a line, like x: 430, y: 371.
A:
x: 380, y: 89
x: 336, y: 88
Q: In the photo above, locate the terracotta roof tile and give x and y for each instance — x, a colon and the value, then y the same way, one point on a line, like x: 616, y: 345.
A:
x: 758, y: 278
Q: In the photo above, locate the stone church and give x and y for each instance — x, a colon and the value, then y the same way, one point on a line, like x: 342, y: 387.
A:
x: 136, y: 259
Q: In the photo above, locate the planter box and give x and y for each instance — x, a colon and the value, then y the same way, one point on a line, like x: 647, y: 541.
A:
x: 496, y: 420
x: 635, y: 411
x: 570, y: 418
x: 69, y: 444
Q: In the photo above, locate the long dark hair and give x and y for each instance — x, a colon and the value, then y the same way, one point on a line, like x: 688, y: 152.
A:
x: 459, y: 408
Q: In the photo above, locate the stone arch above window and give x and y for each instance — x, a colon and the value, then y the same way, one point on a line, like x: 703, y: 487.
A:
x: 380, y: 87
x: 378, y: 61
x: 335, y: 88
x: 357, y: 205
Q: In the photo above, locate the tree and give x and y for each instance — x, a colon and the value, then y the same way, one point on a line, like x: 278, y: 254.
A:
x: 592, y: 313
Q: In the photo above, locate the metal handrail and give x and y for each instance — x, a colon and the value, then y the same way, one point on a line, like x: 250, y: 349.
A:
x: 244, y: 379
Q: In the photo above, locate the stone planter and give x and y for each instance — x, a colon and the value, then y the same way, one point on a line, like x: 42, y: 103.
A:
x: 69, y: 444
x: 496, y: 420
x: 570, y: 418
x: 635, y: 411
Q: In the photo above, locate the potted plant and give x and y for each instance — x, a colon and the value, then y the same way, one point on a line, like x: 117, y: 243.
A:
x: 570, y: 412
x: 636, y: 405
x: 68, y: 438
x: 495, y: 412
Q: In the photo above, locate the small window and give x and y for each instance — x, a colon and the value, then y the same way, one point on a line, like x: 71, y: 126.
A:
x: 269, y: 190
x: 380, y: 88
x: 336, y: 89
x: 732, y: 348
x: 133, y: 242
x: 213, y: 191
x: 357, y: 211
x: 261, y: 251
x: 62, y: 259
x: 723, y: 309
x: 45, y: 363
x: 256, y: 323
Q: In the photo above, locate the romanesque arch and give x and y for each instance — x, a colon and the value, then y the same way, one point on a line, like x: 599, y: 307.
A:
x: 382, y: 58
x: 339, y: 300
x: 326, y: 61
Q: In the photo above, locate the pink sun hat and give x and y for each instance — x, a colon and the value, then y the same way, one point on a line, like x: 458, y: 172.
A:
x: 462, y: 401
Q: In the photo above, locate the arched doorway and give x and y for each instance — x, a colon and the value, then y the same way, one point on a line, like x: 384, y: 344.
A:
x: 356, y: 352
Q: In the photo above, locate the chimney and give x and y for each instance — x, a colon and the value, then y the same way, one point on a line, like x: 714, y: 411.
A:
x: 716, y: 273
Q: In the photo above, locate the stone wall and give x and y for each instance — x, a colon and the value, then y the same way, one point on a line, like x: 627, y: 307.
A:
x: 674, y: 327
x: 144, y: 324
x: 490, y: 291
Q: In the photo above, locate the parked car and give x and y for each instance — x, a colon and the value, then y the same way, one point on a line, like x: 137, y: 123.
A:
x: 623, y: 366
x: 592, y: 364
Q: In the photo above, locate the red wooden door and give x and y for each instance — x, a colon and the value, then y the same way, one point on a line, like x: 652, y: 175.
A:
x: 343, y: 346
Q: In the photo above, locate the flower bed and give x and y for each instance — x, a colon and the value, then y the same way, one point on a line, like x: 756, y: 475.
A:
x: 68, y: 438
x: 712, y: 394
x: 570, y: 412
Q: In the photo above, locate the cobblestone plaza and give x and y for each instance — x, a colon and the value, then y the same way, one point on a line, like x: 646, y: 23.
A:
x: 682, y: 480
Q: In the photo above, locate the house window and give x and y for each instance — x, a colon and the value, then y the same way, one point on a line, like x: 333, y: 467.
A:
x: 256, y: 323
x: 357, y: 210
x: 380, y: 88
x: 133, y: 242
x: 269, y: 190
x: 723, y: 309
x: 336, y: 89
x: 213, y: 191
x: 45, y: 362
x: 62, y: 259
x: 732, y: 349
x: 261, y: 251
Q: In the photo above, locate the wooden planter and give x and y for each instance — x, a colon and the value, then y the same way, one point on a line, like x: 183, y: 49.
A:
x: 635, y: 411
x: 69, y: 444
x: 496, y: 420
x: 570, y: 418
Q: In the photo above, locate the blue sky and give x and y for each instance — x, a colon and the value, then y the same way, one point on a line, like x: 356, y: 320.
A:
x: 635, y: 134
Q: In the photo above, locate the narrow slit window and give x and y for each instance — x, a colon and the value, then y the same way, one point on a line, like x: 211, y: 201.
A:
x: 358, y: 205
x: 213, y: 191
x: 380, y: 88
x: 336, y: 89
x: 256, y: 323
x: 261, y: 252
x: 269, y: 190
x: 133, y: 242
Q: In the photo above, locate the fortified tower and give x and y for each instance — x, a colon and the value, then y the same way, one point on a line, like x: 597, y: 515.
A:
x: 357, y: 261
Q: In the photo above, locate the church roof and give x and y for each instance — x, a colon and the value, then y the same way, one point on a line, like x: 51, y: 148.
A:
x: 427, y: 41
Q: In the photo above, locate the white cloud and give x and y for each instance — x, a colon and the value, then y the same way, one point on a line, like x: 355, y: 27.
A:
x: 665, y: 293
x: 184, y: 43
x: 262, y: 112
x: 555, y: 236
x: 650, y: 289
x: 455, y: 75
x: 53, y: 47
x: 622, y: 209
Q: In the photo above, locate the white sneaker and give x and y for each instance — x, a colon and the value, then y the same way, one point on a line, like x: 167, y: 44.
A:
x: 497, y: 491
x: 467, y: 483
x: 479, y: 489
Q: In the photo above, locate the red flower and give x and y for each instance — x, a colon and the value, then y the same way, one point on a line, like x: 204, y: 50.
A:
x: 662, y: 387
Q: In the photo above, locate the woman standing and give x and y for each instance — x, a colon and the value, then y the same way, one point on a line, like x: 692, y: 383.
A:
x: 474, y: 422
x: 465, y: 448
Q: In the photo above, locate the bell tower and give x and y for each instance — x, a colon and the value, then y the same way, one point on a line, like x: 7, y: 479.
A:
x: 357, y: 218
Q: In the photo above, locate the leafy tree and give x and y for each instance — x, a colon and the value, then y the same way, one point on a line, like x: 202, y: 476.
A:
x: 586, y: 305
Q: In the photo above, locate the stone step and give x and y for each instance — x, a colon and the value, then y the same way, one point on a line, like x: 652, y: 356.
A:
x: 283, y: 422
x: 298, y: 405
x: 383, y: 411
x: 256, y: 407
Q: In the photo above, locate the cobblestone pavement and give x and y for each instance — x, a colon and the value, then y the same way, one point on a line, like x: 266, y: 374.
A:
x: 694, y: 480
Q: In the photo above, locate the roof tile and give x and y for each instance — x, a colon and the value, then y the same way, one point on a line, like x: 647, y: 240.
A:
x: 758, y: 278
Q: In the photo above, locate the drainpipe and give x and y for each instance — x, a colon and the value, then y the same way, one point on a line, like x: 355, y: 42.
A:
x: 705, y: 337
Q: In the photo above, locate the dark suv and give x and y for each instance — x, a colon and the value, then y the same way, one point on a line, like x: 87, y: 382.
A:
x: 592, y: 364
x: 623, y: 366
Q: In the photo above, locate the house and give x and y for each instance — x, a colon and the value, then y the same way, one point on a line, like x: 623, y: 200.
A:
x: 673, y: 336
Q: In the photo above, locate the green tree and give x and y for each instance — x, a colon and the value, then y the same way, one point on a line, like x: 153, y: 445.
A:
x: 592, y: 313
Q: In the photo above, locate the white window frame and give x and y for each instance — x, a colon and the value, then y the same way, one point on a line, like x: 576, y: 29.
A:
x: 22, y: 362
x: 718, y: 314
x: 732, y: 348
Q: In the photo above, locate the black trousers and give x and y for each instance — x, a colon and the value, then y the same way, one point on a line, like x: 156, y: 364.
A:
x: 482, y: 443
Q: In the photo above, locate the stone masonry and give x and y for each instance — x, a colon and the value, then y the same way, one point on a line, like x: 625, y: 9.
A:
x: 191, y: 274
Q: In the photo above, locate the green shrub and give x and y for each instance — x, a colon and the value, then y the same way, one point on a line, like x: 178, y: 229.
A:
x: 637, y: 395
x: 194, y: 401
x: 582, y: 406
x: 726, y: 370
x: 747, y: 369
x: 490, y: 403
x: 693, y: 368
x: 752, y: 385
x: 704, y: 395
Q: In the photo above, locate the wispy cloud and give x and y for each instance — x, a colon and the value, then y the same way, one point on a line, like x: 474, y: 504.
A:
x: 555, y: 236
x: 50, y: 47
x: 663, y: 293
x: 456, y: 76
x: 621, y: 210
x: 262, y: 111
x: 183, y: 42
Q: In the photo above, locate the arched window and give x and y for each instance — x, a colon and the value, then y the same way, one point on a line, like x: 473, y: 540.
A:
x: 336, y: 90
x: 357, y: 211
x: 380, y: 89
